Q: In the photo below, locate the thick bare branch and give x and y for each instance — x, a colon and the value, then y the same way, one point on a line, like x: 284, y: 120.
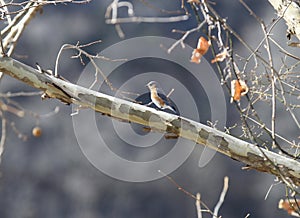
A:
x: 254, y: 157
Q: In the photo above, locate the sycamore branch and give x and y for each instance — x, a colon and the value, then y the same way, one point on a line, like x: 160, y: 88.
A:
x: 286, y: 169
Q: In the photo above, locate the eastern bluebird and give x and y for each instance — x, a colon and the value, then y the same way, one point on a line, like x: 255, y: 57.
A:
x: 156, y: 99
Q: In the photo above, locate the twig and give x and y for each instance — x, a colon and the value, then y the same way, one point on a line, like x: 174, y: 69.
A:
x: 178, y: 186
x: 3, y: 136
x: 270, y: 188
x: 147, y: 19
x: 185, y: 191
x: 19, y: 94
x: 181, y: 40
x: 282, y: 91
x: 198, y: 206
x: 222, y: 197
x: 115, y: 5
x: 92, y: 59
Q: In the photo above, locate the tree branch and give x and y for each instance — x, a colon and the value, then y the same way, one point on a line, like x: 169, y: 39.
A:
x: 254, y: 157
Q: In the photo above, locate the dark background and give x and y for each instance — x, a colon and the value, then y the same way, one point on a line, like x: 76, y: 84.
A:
x: 50, y: 176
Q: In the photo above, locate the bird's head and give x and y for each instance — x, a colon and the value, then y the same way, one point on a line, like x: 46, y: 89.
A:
x: 152, y: 85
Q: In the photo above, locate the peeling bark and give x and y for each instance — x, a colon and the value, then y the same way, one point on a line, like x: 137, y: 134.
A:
x: 254, y: 157
x: 290, y: 11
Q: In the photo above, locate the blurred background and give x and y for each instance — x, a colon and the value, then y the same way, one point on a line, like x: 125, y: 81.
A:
x: 49, y: 176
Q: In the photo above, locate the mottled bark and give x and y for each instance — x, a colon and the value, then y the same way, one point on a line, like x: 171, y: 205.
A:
x: 290, y: 11
x: 254, y: 157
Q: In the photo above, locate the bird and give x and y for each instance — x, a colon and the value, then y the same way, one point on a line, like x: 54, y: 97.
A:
x: 156, y: 99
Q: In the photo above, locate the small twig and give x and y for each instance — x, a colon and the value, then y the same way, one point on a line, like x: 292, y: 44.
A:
x: 270, y: 188
x: 170, y: 93
x: 147, y: 19
x: 181, y: 40
x: 3, y: 136
x: 92, y: 59
x: 177, y: 185
x: 198, y: 206
x: 120, y: 31
x: 19, y: 94
x: 16, y: 111
x: 273, y: 81
x: 185, y: 191
x: 268, y: 130
x: 222, y: 197
x: 3, y: 51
